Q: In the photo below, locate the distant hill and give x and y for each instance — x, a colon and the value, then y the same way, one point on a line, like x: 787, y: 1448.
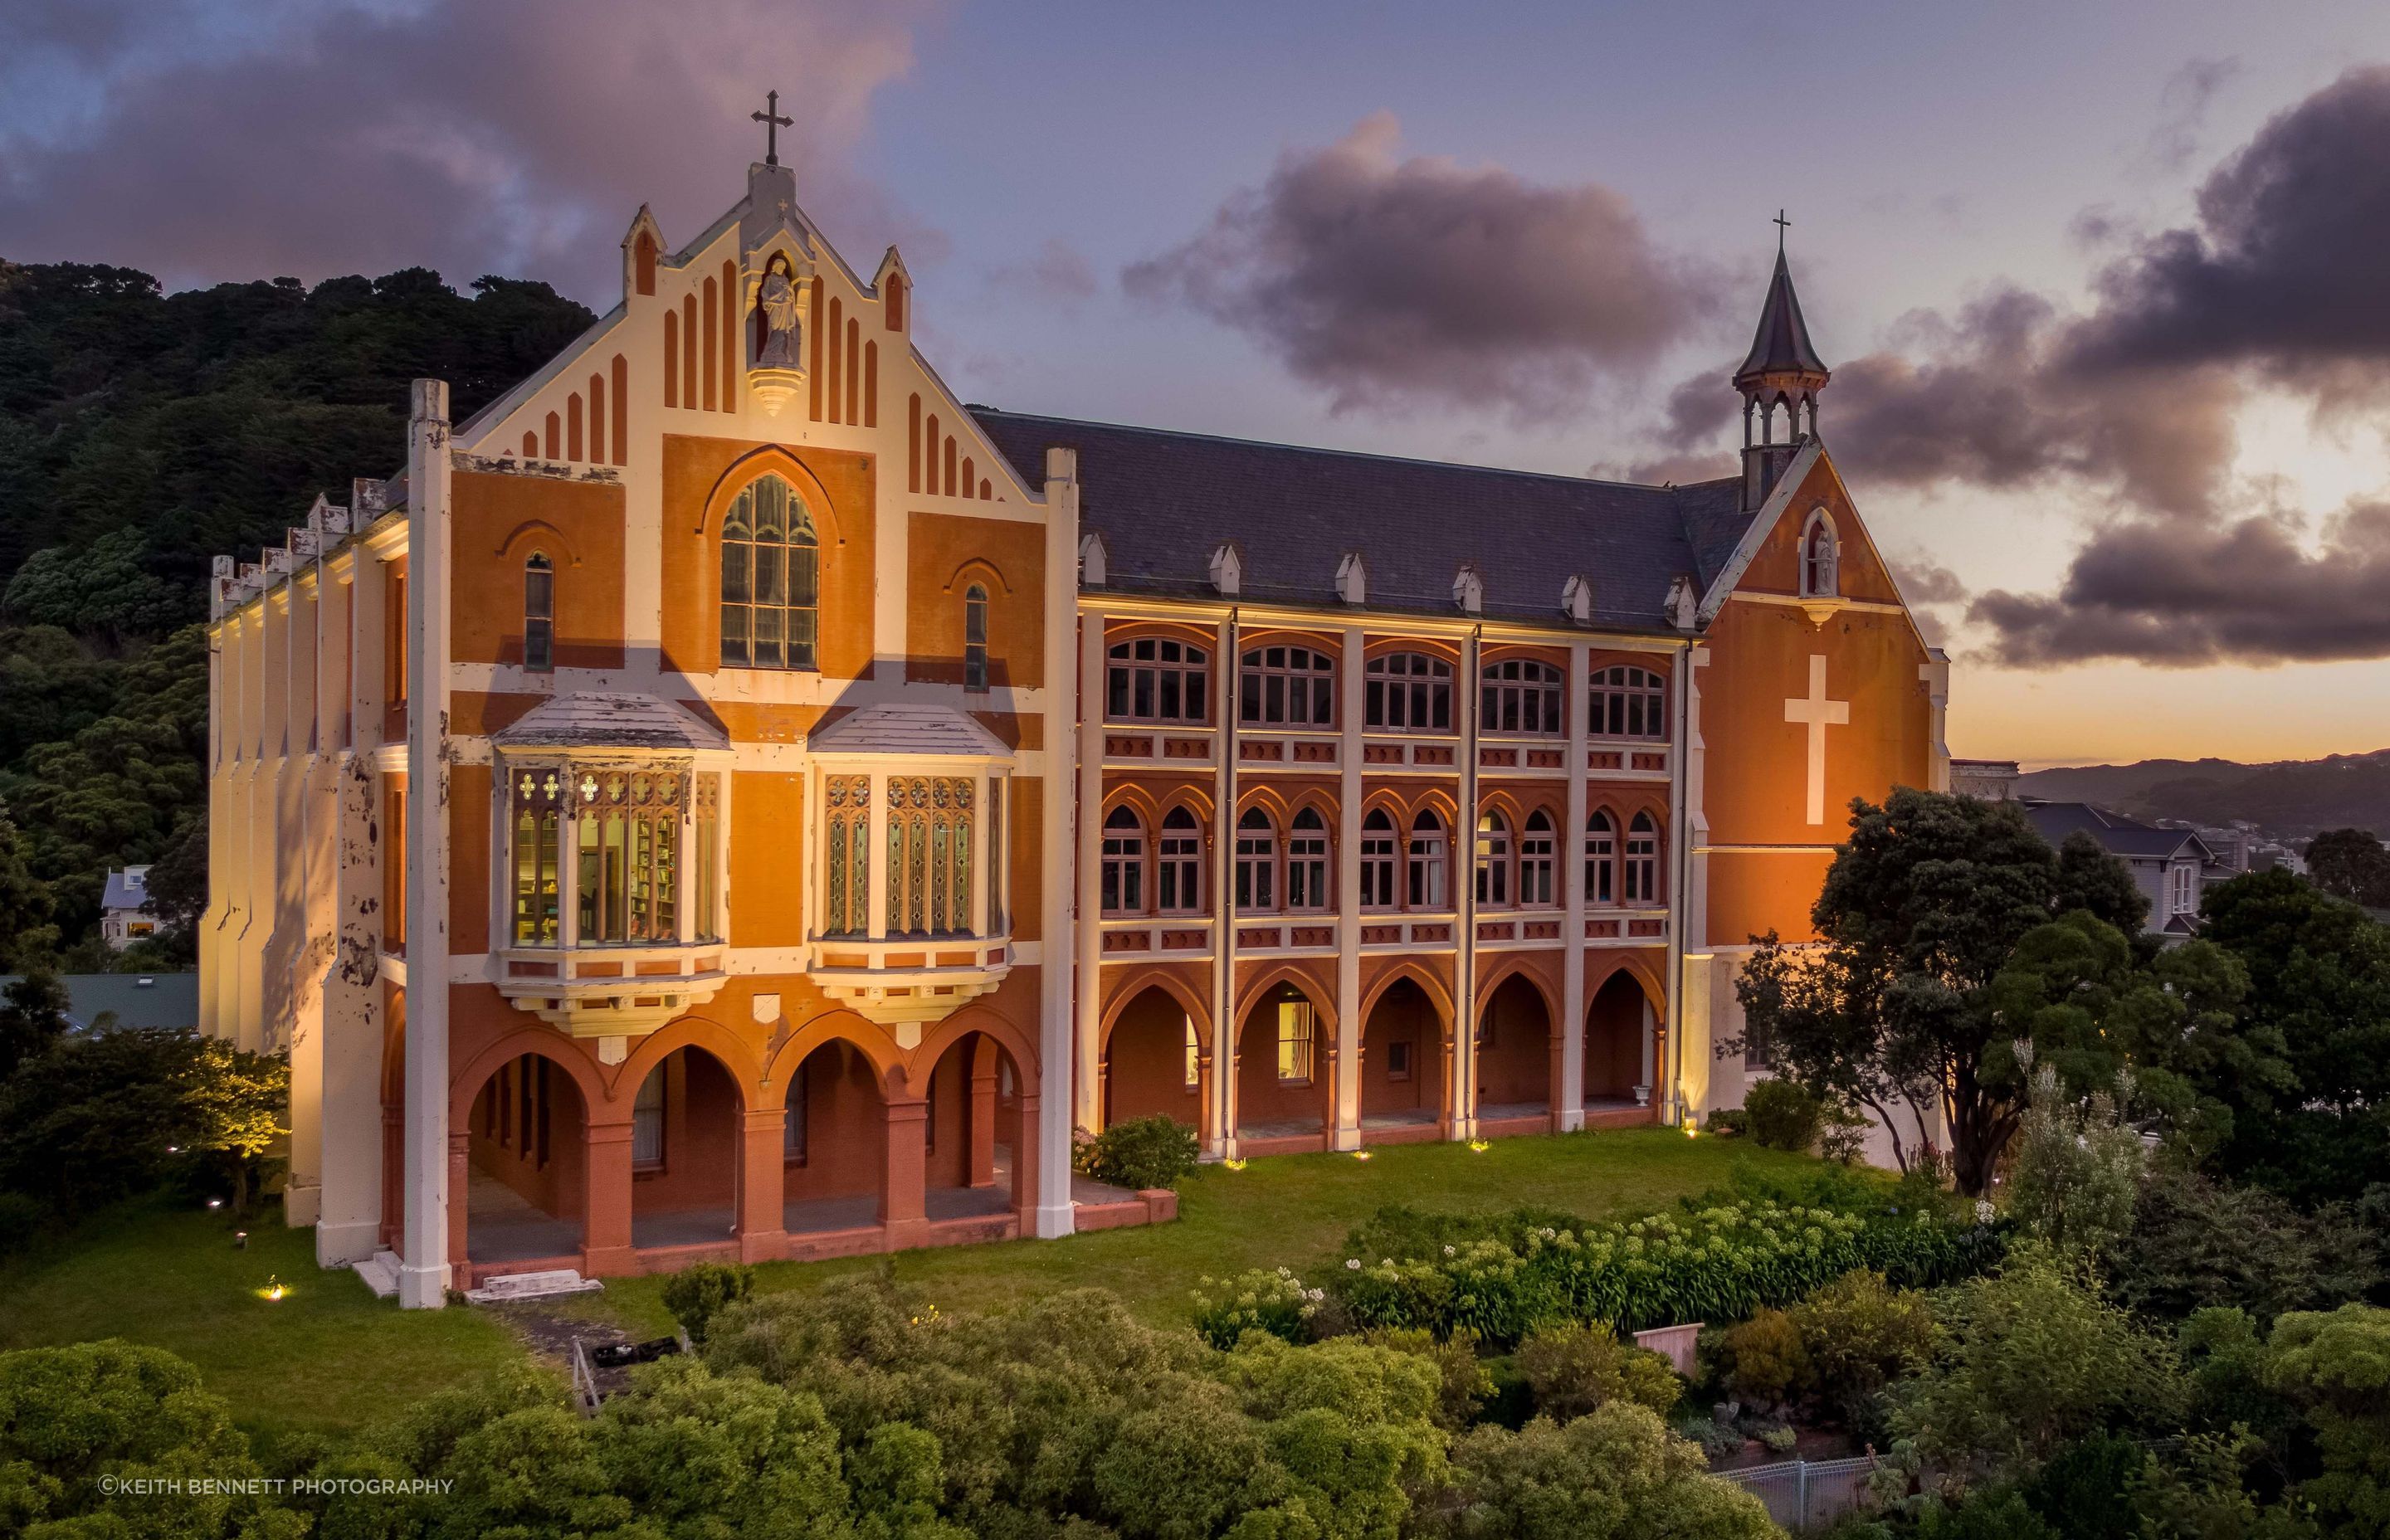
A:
x: 2289, y: 798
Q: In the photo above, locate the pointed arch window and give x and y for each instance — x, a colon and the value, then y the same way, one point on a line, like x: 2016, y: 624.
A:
x: 1820, y: 558
x: 1493, y: 862
x: 1537, y: 845
x: 1376, y: 860
x: 1429, y: 847
x: 1600, y: 859
x: 1641, y: 866
x: 975, y: 639
x: 1179, y: 872
x: 1306, y: 862
x: 771, y: 579
x: 1628, y: 702
x: 1256, y: 863
x: 539, y: 614
x: 1122, y: 882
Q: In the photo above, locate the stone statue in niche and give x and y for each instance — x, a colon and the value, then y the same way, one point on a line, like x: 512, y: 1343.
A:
x: 777, y: 329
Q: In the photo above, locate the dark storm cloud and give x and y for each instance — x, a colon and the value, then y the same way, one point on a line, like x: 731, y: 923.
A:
x: 1393, y: 282
x: 2246, y: 590
x: 1924, y: 581
x: 518, y: 137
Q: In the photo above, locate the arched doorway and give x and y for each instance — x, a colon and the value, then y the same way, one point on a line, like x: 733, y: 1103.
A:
x: 1617, y: 1033
x: 1401, y: 1061
x: 1515, y: 1054
x: 1155, y: 1061
x: 685, y: 1138
x: 1283, y: 1080
x: 527, y: 1174
x: 833, y: 1142
x: 971, y: 1132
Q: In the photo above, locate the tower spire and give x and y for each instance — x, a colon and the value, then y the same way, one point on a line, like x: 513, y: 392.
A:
x: 1782, y: 370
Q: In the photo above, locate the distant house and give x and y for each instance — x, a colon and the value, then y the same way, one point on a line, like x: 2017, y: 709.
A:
x: 129, y: 999
x: 124, y: 914
x: 2167, y: 864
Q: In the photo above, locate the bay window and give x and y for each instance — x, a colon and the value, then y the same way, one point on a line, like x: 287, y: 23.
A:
x: 635, y: 841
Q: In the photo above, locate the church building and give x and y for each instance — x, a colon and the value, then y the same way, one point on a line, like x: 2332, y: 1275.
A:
x: 728, y: 798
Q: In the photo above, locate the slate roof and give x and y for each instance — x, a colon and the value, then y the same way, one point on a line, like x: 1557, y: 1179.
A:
x: 1164, y: 501
x: 2118, y: 834
x: 890, y: 728
x: 1782, y: 344
x: 127, y: 889
x: 595, y: 719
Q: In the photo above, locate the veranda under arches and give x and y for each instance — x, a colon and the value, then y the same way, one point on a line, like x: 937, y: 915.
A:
x: 1517, y: 1055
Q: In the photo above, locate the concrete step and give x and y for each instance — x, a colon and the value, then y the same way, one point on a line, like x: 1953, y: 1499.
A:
x: 380, y: 1273
x: 532, y: 1286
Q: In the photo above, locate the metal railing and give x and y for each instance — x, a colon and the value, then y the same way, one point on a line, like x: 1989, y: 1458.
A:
x: 1805, y: 1494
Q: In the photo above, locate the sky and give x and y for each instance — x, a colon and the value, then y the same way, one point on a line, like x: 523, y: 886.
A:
x: 2101, y: 285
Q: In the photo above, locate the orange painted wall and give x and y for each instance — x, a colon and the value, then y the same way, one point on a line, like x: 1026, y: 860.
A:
x: 948, y: 554
x: 499, y: 522
x: 470, y: 790
x: 1752, y: 893
x: 768, y: 859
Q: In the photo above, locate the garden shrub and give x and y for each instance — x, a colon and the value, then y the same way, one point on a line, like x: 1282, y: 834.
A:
x: 2087, y: 1493
x: 1143, y: 1152
x: 1273, y: 1301
x: 2078, y: 1168
x: 1764, y: 1362
x: 1783, y: 1115
x: 1727, y: 1123
x: 1859, y: 1335
x: 1615, y: 1472
x: 1463, y: 1382
x: 1574, y: 1369
x: 2196, y: 1243
x: 2336, y: 1367
x: 702, y: 1291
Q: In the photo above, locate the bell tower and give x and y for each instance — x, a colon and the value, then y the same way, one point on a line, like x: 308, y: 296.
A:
x: 1782, y: 370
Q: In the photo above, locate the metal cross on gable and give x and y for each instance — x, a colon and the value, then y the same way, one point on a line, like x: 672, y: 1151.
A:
x: 773, y: 122
x: 1782, y: 224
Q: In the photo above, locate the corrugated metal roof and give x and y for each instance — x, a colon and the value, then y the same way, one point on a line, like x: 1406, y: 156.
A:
x: 1164, y: 501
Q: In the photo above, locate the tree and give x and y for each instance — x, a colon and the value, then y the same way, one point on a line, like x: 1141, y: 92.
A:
x: 2351, y: 864
x: 236, y: 1106
x: 2078, y: 1168
x: 1615, y: 1473
x: 1922, y: 909
x: 34, y: 1018
x: 2337, y: 1370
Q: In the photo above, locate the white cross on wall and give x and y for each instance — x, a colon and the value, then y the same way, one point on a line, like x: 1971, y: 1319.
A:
x: 1817, y: 713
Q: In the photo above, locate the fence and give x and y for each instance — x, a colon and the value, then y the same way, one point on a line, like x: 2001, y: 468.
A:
x: 1804, y: 1494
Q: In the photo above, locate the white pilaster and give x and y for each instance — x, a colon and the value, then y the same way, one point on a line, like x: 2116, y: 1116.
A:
x: 424, y: 1272
x: 1464, y: 852
x: 1569, y: 1095
x: 1223, y: 893
x: 1087, y: 871
x: 1347, y: 1132
x: 1055, y: 1214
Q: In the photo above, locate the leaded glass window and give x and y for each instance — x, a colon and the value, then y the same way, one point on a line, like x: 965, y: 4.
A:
x: 771, y: 579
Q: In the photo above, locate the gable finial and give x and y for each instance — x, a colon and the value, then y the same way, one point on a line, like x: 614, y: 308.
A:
x: 1782, y: 224
x: 773, y: 122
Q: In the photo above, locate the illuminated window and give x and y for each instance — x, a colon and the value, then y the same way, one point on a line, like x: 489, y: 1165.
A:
x: 1295, y: 1042
x: 539, y: 614
x: 1194, y: 1057
x: 538, y: 827
x: 1409, y: 692
x: 627, y: 834
x: 1493, y: 862
x: 771, y: 579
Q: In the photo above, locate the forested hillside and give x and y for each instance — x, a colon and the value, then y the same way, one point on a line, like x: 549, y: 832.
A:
x: 2290, y: 799
x: 142, y: 433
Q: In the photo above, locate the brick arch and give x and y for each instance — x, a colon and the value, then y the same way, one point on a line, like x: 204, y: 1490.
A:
x: 465, y: 1087
x: 1434, y: 799
x: 726, y: 1047
x: 1194, y: 799
x: 878, y: 1050
x: 751, y: 467
x: 1386, y: 647
x: 1270, y: 800
x: 1137, y: 799
x: 978, y: 569
x: 537, y: 533
x: 1654, y: 663
x: 1177, y: 631
x: 1291, y: 635
x: 1391, y: 800
x: 1517, y: 967
x: 1641, y: 972
x: 1438, y: 992
x: 1152, y: 976
x: 954, y: 1028
x: 1621, y: 804
x: 1322, y: 997
x: 1320, y: 800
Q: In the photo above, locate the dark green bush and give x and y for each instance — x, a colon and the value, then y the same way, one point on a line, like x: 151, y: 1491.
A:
x: 1729, y: 1122
x: 1764, y: 1362
x: 703, y: 1290
x: 1573, y: 1369
x: 1783, y: 1116
x: 1142, y: 1152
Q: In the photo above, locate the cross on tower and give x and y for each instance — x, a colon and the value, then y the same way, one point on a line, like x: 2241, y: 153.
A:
x: 773, y: 122
x: 1782, y: 224
x: 1817, y: 713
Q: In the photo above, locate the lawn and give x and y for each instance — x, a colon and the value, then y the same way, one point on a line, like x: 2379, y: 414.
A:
x: 326, y: 1357
x: 329, y: 1356
x: 1293, y: 1210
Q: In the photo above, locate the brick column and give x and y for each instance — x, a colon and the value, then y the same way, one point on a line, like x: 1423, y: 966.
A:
x: 606, y: 1204
x: 904, y: 1178
x: 1025, y: 1157
x: 761, y: 1147
x: 980, y: 1170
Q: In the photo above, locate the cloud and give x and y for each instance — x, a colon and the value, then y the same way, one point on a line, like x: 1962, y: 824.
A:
x: 1925, y: 581
x: 1059, y: 274
x: 1393, y: 282
x: 316, y: 140
x: 2245, y: 591
x: 2182, y: 105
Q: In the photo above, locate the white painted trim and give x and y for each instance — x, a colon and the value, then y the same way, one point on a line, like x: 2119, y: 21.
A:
x: 1746, y: 550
